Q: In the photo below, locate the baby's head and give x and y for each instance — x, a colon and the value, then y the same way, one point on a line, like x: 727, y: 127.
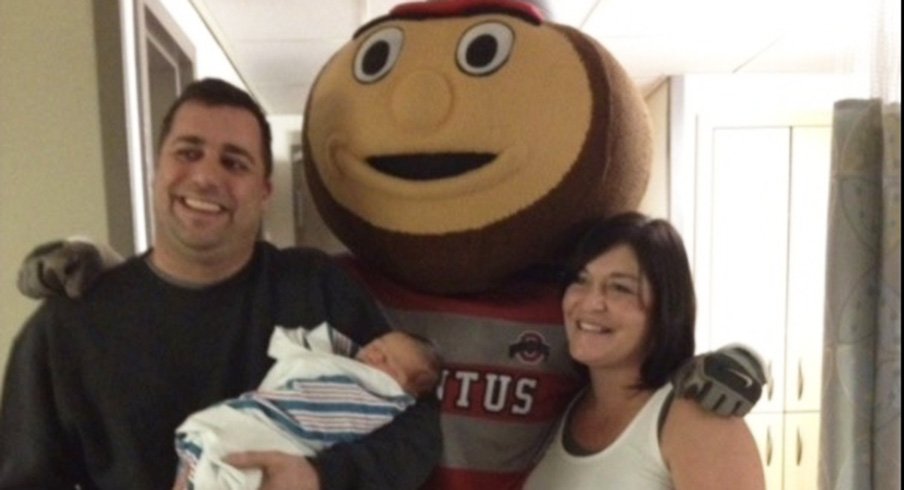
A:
x: 411, y: 360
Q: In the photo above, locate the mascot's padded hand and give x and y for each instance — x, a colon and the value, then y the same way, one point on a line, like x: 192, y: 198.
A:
x: 726, y: 382
x: 64, y: 267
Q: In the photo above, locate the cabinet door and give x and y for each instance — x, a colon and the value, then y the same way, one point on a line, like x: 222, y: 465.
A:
x: 762, y: 200
x: 742, y: 243
x: 810, y: 183
x: 767, y: 432
x: 801, y: 451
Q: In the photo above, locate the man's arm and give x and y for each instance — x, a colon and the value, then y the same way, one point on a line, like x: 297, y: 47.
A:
x: 33, y: 452
x: 385, y: 459
x: 398, y: 456
x: 726, y: 382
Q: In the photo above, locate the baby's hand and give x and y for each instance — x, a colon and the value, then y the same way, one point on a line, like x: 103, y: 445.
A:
x: 181, y: 479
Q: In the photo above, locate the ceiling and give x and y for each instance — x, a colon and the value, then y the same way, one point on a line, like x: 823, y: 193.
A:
x: 278, y: 46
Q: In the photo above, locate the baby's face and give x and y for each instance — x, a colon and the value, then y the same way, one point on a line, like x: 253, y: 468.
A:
x: 397, y: 355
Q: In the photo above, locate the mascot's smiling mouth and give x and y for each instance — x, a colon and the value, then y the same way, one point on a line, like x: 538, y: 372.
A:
x: 429, y: 166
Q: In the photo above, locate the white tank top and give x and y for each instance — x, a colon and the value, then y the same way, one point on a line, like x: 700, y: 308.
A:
x: 633, y: 461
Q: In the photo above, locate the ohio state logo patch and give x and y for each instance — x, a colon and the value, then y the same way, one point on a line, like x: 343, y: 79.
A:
x: 531, y: 348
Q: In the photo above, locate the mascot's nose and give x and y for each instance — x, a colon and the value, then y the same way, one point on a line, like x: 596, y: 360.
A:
x: 422, y: 100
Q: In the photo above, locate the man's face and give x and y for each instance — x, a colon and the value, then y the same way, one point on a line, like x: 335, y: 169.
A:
x: 210, y: 187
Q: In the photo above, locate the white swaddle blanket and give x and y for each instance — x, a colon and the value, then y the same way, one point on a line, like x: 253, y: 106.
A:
x: 310, y: 399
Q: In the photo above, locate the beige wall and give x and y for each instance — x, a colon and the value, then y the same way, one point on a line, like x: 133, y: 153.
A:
x: 54, y: 99
x: 656, y: 200
x: 279, y: 223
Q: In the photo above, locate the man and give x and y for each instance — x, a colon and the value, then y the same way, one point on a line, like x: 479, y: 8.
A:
x: 96, y: 387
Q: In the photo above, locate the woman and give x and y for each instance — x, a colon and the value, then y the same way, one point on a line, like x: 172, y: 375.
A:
x: 629, y: 310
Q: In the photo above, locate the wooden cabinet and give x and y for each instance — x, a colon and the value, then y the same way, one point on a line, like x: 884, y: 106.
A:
x: 768, y: 431
x: 789, y: 448
x: 764, y: 271
x: 750, y: 183
x: 801, y: 454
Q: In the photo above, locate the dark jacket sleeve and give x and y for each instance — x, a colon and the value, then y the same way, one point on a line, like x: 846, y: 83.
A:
x: 398, y: 456
x: 33, y: 447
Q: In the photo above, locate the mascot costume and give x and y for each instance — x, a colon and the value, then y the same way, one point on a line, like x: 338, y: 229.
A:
x: 459, y: 149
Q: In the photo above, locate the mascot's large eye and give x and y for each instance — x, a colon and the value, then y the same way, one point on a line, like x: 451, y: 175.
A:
x: 378, y: 54
x: 485, y: 48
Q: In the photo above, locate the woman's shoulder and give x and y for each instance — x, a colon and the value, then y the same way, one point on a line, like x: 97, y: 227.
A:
x: 702, y: 448
x: 687, y: 420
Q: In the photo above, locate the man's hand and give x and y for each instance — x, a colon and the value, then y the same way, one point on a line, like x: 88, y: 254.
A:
x: 64, y: 268
x: 281, y: 471
x: 181, y: 478
x: 727, y: 382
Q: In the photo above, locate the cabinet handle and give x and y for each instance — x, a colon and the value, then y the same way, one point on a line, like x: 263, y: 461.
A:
x: 800, y: 379
x: 770, y: 381
x: 800, y: 447
x: 769, y: 446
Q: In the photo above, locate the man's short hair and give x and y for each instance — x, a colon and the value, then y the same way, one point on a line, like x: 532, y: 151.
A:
x: 216, y: 92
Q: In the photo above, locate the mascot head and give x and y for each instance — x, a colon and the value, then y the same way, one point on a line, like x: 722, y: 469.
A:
x: 453, y: 144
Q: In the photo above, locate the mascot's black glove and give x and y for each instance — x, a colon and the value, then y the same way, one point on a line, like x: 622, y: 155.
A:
x: 727, y: 382
x: 64, y: 267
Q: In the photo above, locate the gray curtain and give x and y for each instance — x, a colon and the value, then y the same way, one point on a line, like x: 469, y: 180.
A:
x: 861, y: 402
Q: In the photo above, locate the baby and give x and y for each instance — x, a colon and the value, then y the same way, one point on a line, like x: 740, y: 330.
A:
x: 319, y: 392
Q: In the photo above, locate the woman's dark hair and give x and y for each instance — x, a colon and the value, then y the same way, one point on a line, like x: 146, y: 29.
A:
x: 215, y: 92
x: 663, y: 260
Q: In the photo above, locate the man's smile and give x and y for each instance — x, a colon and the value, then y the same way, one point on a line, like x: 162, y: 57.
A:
x: 201, y: 205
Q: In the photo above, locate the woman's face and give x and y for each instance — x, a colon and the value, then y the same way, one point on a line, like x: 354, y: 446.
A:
x: 607, y: 310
